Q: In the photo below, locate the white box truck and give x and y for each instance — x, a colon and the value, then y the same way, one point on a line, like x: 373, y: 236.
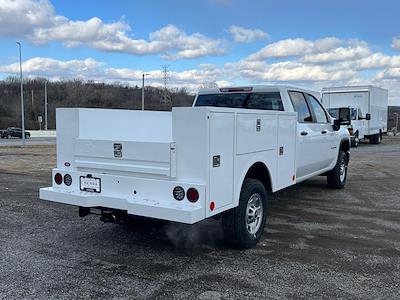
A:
x: 367, y: 106
x: 220, y: 157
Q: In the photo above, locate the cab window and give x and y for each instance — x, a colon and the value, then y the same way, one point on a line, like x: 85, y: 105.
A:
x: 319, y: 112
x: 262, y: 100
x: 266, y: 101
x: 300, y: 106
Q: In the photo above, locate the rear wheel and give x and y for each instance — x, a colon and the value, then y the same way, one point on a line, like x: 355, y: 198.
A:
x: 376, y: 138
x: 243, y: 226
x: 337, y: 177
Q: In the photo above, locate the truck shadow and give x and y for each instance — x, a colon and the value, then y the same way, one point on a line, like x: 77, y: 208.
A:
x: 208, y: 235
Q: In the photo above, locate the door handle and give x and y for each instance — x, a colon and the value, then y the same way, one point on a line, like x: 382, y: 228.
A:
x: 324, y: 131
x: 304, y: 133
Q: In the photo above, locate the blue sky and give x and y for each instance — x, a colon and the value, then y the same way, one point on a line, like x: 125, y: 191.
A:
x: 225, y: 42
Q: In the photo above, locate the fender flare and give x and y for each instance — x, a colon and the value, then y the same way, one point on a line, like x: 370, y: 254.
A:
x: 244, y: 173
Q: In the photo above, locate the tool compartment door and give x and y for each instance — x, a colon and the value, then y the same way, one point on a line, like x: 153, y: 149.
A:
x: 221, y: 160
x: 286, y: 162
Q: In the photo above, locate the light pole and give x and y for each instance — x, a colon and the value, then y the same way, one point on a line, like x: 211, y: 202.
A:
x: 22, y: 95
x: 144, y: 74
x: 45, y: 105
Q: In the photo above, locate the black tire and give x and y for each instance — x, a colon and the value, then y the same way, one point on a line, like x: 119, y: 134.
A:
x: 376, y: 139
x: 234, y: 224
x: 336, y: 179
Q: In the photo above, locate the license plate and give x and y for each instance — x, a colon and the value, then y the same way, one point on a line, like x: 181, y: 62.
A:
x: 90, y: 184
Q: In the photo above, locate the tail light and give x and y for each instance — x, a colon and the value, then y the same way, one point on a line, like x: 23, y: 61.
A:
x: 58, y: 178
x: 192, y: 194
x: 67, y: 179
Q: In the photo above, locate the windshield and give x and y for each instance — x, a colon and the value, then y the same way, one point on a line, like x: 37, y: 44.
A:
x: 334, y: 112
x: 353, y: 113
x: 265, y: 100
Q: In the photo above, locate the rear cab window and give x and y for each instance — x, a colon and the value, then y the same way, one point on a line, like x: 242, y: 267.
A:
x: 253, y: 100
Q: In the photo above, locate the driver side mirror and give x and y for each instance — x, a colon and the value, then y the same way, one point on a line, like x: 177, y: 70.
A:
x: 367, y: 117
x: 338, y: 122
x: 336, y: 125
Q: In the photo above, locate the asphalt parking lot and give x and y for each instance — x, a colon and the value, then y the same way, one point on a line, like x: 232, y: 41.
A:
x: 319, y: 243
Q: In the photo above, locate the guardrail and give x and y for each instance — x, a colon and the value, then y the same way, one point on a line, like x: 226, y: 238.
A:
x: 42, y: 133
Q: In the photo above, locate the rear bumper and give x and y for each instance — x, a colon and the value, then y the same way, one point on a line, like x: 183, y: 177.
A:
x: 177, y: 212
x: 136, y: 195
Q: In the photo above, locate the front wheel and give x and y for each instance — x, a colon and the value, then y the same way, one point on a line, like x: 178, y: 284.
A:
x: 355, y: 140
x: 244, y: 225
x: 337, y: 177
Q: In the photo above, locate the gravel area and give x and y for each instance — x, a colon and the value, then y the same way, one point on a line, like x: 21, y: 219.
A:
x: 319, y: 243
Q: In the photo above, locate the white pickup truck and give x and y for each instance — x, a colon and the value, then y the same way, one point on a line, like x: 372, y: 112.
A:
x: 220, y: 157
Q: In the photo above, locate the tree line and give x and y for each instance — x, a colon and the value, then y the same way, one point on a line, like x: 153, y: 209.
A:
x: 78, y: 93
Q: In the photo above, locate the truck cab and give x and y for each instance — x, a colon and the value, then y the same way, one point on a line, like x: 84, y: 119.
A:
x: 317, y: 142
x: 222, y: 157
x: 358, y: 122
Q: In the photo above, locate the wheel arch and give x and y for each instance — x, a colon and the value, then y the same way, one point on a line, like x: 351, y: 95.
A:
x: 258, y: 170
x: 345, y: 146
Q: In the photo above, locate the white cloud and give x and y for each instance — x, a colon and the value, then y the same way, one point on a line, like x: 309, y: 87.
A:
x: 295, y: 47
x: 289, y: 71
x: 390, y: 73
x: 17, y: 18
x: 328, y: 62
x: 374, y: 61
x: 337, y: 54
x: 38, y: 22
x: 244, y: 35
x: 41, y: 66
x: 396, y: 43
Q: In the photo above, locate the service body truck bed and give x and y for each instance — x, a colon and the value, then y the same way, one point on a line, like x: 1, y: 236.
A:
x: 368, y: 109
x: 192, y: 163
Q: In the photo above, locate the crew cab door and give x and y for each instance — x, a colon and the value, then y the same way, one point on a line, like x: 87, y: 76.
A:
x: 322, y: 124
x: 314, y: 153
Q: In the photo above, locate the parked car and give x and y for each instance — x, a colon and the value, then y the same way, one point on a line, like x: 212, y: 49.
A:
x: 220, y: 157
x: 13, y: 132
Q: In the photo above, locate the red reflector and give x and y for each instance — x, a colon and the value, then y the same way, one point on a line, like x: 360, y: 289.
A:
x: 212, y: 205
x: 58, y: 178
x: 192, y: 194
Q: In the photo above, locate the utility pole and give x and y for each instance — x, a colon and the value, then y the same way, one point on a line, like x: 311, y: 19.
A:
x: 144, y: 74
x: 32, y: 98
x: 22, y: 95
x: 45, y: 105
